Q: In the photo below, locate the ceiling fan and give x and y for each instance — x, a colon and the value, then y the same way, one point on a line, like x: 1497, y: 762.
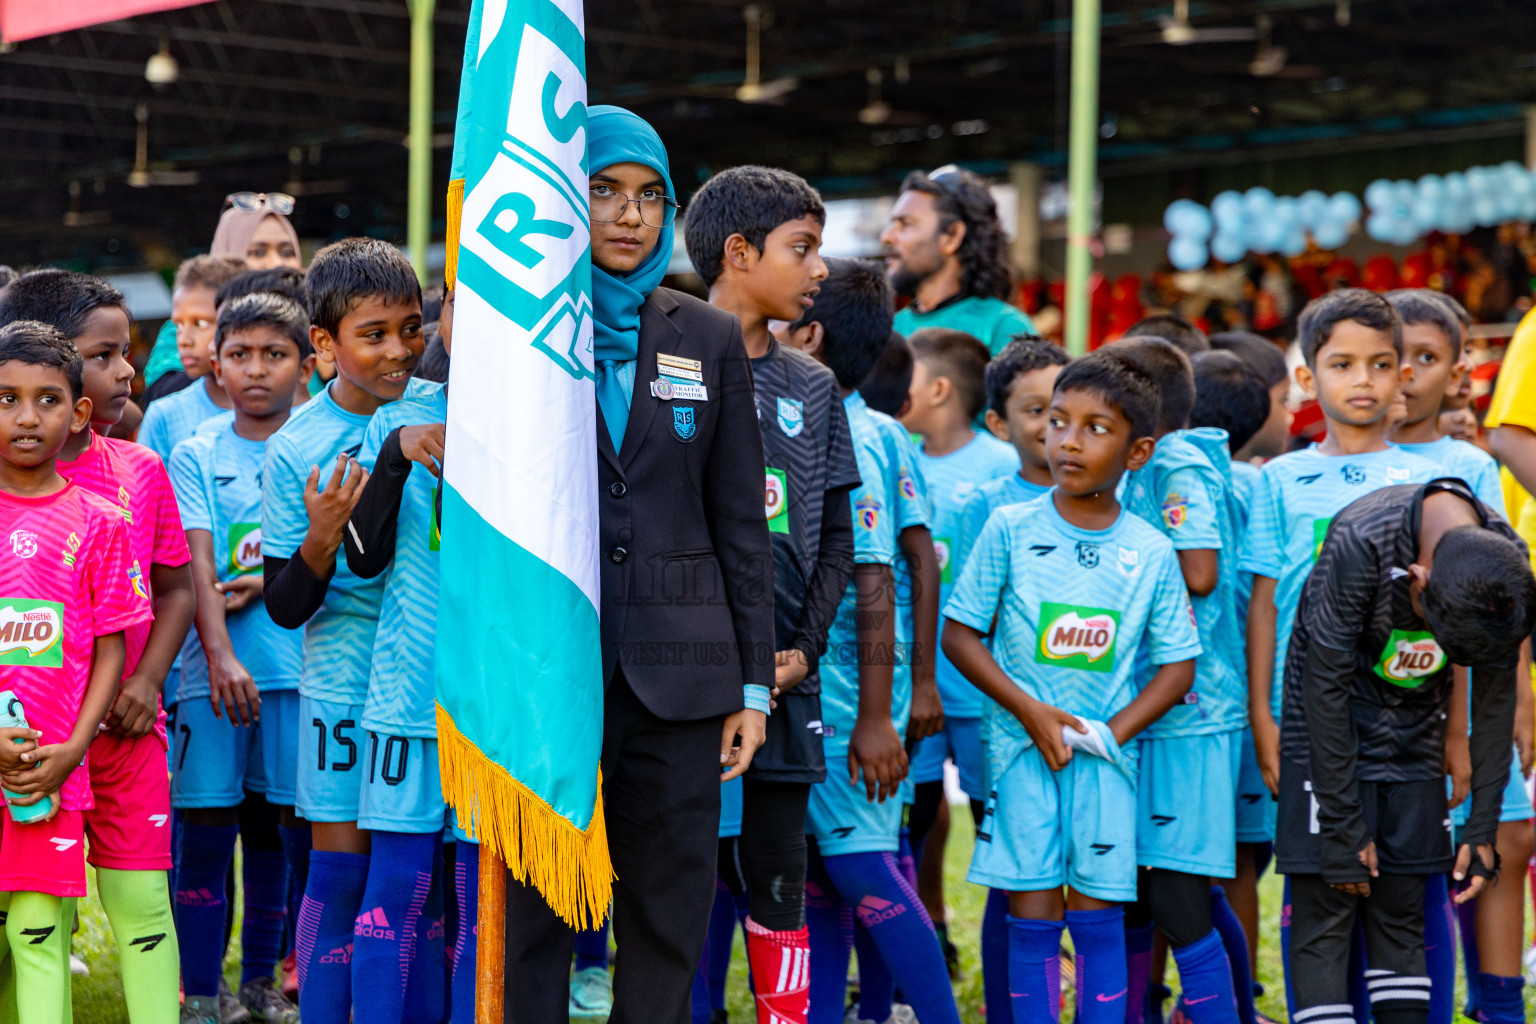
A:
x: 753, y: 89
x: 1177, y: 31
x: 141, y: 176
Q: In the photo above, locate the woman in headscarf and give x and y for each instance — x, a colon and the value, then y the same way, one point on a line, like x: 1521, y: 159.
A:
x: 681, y: 486
x: 251, y: 231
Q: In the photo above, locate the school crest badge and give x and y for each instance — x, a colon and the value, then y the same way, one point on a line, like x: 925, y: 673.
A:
x: 1353, y: 474
x: 867, y: 512
x: 791, y: 416
x: 1175, y: 510
x: 683, y: 424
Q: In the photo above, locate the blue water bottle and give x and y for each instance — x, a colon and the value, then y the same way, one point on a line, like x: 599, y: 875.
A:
x: 13, y: 716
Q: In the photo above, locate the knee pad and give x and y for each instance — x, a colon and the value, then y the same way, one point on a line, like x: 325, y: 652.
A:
x: 1179, y: 904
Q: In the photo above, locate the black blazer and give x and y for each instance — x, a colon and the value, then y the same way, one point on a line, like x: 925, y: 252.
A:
x: 687, y: 571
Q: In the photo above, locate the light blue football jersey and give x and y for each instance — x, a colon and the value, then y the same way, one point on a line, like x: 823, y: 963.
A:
x: 217, y: 478
x: 1113, y: 590
x: 174, y: 418
x: 952, y: 479
x: 400, y: 690
x: 1458, y: 458
x: 912, y: 507
x: 338, y: 639
x: 874, y: 543
x: 1246, y: 478
x: 1185, y: 491
x: 1012, y: 489
x: 1298, y: 496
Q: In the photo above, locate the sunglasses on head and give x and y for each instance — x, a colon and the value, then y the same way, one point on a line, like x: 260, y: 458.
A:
x: 250, y: 202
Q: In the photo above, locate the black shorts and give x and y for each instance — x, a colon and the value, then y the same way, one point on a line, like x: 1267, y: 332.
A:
x: 793, y: 751
x: 1409, y: 821
x: 1322, y: 928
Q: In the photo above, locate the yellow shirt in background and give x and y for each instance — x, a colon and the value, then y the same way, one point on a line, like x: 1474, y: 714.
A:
x: 1514, y: 404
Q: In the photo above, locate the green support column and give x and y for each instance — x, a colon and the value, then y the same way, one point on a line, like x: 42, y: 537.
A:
x: 418, y: 230
x: 1082, y: 168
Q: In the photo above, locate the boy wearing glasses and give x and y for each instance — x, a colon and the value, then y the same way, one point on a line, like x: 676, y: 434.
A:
x: 754, y: 235
x: 945, y: 249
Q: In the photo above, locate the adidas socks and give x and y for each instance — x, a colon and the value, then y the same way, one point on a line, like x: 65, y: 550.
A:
x: 830, y: 922
x: 1235, y: 941
x: 384, y: 931
x: 994, y: 955
x: 206, y: 851
x: 138, y: 906
x: 1206, y: 979
x: 296, y: 842
x: 323, y: 936
x: 781, y: 969
x: 264, y: 878
x: 1501, y: 999
x: 425, y: 987
x: 466, y: 885
x: 877, y: 989
x: 1440, y: 950
x: 1098, y: 936
x: 1138, y: 971
x: 888, y: 907
x: 1034, y: 970
x: 1466, y: 924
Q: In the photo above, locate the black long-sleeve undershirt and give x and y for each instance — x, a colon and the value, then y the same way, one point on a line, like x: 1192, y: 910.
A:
x: 370, y: 536
x: 834, y: 568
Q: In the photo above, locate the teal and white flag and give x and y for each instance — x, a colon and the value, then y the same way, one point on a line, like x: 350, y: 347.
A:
x: 519, y: 666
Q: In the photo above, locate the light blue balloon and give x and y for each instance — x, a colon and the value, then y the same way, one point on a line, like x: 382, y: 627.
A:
x: 1485, y: 212
x: 1227, y: 209
x: 1330, y: 234
x: 1344, y: 207
x: 1428, y: 212
x: 1381, y: 227
x: 1312, y: 207
x: 1185, y: 217
x: 1186, y: 253
x: 1404, y: 232
x: 1229, y: 247
x: 1258, y: 201
x: 1403, y: 195
x: 1269, y: 235
x: 1295, y: 242
x: 1430, y: 186
x: 1287, y: 211
x: 1378, y: 194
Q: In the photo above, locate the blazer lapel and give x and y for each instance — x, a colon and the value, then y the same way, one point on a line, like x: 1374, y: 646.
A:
x: 605, y: 439
x: 657, y: 331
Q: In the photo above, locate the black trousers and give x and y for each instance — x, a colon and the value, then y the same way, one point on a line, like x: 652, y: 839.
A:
x: 1322, y: 925
x: 661, y: 795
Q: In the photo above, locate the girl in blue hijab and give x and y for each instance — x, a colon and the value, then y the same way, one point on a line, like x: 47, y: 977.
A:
x: 633, y: 209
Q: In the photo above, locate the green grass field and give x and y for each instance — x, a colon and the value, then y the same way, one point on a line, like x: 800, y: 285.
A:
x: 97, y: 998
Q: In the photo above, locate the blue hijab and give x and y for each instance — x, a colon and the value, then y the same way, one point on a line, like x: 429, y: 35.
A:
x: 616, y: 136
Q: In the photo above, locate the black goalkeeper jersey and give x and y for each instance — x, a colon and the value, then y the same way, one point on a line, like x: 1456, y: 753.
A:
x: 1367, y: 687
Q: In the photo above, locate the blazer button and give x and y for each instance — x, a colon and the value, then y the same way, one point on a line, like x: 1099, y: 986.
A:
x: 619, y: 554
x: 617, y: 489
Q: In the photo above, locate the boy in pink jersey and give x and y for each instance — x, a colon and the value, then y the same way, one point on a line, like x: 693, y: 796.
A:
x: 130, y: 825
x: 68, y: 592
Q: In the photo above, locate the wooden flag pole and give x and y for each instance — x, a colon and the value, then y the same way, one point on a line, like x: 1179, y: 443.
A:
x: 491, y: 944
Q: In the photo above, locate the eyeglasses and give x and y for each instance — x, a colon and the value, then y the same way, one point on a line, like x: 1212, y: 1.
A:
x: 250, y: 202
x: 657, y: 210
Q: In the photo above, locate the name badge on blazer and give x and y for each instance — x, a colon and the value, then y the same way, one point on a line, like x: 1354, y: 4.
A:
x: 666, y: 389
x: 679, y: 368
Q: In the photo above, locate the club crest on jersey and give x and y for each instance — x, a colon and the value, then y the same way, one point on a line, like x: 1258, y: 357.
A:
x: 1398, y: 474
x: 791, y: 416
x: 1410, y: 657
x: 1175, y: 510
x: 136, y: 580
x: 683, y: 424
x: 1087, y: 555
x: 1129, y: 561
x: 905, y: 484
x: 1353, y: 474
x: 867, y: 511
x: 31, y: 633
x: 23, y: 543
x: 1076, y: 636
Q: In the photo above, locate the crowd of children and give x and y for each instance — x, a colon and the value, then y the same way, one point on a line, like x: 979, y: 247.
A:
x: 1158, y: 652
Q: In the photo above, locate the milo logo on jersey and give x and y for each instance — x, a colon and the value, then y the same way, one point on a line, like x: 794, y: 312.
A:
x: 31, y: 633
x: 1319, y: 534
x: 776, y: 500
x: 1410, y: 657
x: 1076, y: 636
x: 244, y: 548
x: 941, y: 552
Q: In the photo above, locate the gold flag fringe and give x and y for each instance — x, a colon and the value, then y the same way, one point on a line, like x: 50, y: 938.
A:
x: 455, y: 216
x: 540, y: 846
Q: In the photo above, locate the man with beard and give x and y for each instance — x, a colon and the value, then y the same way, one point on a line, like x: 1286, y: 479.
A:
x: 945, y: 249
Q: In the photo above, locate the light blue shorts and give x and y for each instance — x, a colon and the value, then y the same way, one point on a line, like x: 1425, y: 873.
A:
x: 213, y: 761
x: 1187, y: 799
x: 730, y: 808
x: 1517, y: 801
x: 960, y: 740
x: 402, y: 786
x: 1046, y: 829
x: 1255, y: 803
x: 844, y: 820
x: 333, y: 758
